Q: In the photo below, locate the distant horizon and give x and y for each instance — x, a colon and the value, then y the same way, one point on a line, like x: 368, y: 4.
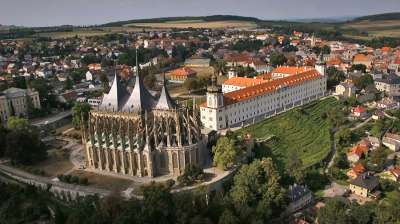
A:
x: 42, y: 13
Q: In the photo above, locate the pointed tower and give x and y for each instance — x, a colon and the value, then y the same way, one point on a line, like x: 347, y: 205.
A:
x: 165, y: 102
x: 320, y: 65
x: 140, y: 98
x: 114, y: 99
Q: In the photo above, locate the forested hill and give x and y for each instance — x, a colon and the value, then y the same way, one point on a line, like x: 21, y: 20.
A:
x: 384, y: 16
x: 170, y: 19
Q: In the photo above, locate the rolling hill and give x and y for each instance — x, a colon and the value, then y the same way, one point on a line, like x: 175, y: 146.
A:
x: 380, y: 25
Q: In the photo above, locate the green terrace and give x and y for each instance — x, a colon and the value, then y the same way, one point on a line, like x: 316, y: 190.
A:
x: 301, y: 129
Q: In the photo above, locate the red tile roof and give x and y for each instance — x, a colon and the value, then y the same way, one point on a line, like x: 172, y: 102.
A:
x: 359, y: 109
x: 334, y: 61
x: 358, y: 168
x: 292, y: 70
x: 395, y: 171
x: 243, y: 82
x: 359, y: 150
x: 270, y: 86
x: 183, y: 72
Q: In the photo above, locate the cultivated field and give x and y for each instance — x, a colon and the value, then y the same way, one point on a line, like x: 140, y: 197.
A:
x: 197, y: 24
x: 302, y: 130
x: 380, y: 28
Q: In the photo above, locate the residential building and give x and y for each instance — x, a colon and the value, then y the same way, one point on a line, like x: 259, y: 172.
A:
x: 389, y: 84
x: 378, y: 115
x: 95, y: 67
x: 365, y: 185
x: 196, y: 61
x: 392, y: 141
x: 355, y: 171
x: 181, y: 74
x: 391, y: 174
x: 359, y: 112
x: 357, y: 152
x: 387, y: 103
x: 345, y: 89
x: 16, y: 102
x: 363, y: 59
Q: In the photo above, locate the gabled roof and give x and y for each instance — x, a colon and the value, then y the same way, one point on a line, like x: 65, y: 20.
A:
x: 359, y: 109
x: 366, y: 181
x: 185, y: 71
x: 359, y: 150
x: 358, y: 169
x: 291, y: 70
x: 140, y: 98
x: 270, y: 86
x: 243, y: 82
x: 115, y: 98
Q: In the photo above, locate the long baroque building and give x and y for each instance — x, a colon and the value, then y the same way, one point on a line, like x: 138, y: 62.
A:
x: 136, y: 134
x: 252, y: 100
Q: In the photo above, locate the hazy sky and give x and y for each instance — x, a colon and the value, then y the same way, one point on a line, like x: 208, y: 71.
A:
x: 84, y: 12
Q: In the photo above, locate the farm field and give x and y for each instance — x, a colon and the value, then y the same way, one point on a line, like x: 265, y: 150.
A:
x: 301, y: 129
x: 197, y: 24
x: 379, y: 28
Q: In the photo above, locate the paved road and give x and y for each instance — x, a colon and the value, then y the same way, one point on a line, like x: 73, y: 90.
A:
x: 361, y: 124
x: 52, y: 118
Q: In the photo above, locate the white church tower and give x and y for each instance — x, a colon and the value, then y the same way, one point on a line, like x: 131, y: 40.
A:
x: 215, y: 97
x: 232, y: 73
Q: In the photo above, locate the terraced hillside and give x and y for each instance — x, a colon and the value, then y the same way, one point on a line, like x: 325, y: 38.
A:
x: 300, y: 129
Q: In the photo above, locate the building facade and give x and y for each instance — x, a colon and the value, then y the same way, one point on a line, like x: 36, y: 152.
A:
x: 16, y: 102
x: 389, y: 84
x: 256, y: 102
x: 135, y: 134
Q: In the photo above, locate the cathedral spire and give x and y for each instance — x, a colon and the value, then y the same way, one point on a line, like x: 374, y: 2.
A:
x: 165, y: 102
x: 114, y: 99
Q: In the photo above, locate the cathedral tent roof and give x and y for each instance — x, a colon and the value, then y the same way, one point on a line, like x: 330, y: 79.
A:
x: 165, y: 101
x: 115, y: 98
x: 140, y: 98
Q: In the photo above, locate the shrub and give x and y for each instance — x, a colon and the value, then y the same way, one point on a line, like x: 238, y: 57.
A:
x: 84, y: 181
x: 191, y: 175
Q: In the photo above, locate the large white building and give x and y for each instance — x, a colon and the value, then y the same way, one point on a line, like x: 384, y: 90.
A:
x: 287, y: 87
x: 14, y: 102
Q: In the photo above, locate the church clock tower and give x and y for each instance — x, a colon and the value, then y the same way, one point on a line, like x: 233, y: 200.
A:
x: 215, y: 97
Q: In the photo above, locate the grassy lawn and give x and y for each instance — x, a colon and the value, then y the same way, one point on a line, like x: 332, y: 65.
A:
x: 104, y: 181
x: 301, y: 129
x: 56, y: 163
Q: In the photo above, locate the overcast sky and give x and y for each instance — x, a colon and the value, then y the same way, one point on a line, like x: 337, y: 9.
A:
x: 89, y: 12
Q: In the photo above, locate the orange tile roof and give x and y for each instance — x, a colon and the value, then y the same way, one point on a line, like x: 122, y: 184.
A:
x: 361, y: 57
x: 395, y: 171
x: 270, y: 86
x: 359, y: 109
x: 265, y: 76
x: 334, y: 61
x: 359, y: 150
x: 358, y: 168
x: 386, y: 49
x: 292, y: 70
x: 243, y: 82
x: 183, y: 72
